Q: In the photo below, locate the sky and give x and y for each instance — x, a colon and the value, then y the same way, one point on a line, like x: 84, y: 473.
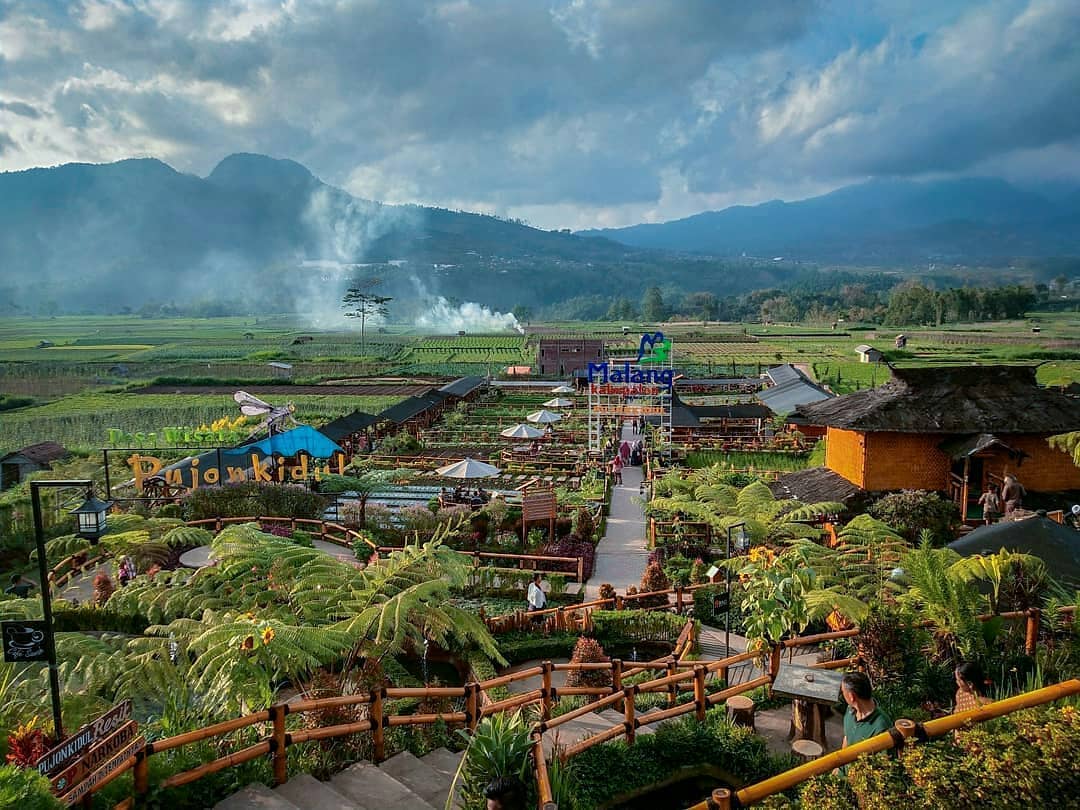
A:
x: 565, y: 113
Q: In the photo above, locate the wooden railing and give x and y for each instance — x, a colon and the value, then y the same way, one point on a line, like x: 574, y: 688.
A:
x: 906, y: 731
x: 330, y: 532
x: 68, y: 567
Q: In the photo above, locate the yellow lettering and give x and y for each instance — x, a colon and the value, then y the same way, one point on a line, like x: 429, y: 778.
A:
x: 140, y: 472
x: 174, y: 478
x: 236, y: 475
x: 211, y: 476
x: 261, y: 469
x: 194, y: 473
x: 300, y: 471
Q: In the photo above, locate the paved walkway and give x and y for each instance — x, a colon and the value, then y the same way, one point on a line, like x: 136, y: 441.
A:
x: 622, y: 554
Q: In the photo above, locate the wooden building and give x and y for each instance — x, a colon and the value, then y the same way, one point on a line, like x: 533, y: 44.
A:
x: 952, y: 430
x: 14, y: 467
x: 563, y: 356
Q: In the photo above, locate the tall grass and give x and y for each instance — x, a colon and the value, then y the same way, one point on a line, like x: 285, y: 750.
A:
x: 782, y: 462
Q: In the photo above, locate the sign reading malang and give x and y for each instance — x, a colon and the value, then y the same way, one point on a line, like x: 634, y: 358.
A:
x: 263, y: 468
x: 653, y: 349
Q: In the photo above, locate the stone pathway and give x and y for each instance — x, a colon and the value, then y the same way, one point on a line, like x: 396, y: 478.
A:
x: 622, y: 553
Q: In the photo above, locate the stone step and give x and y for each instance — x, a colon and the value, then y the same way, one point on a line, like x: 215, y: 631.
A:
x: 421, y: 778
x: 372, y: 789
x: 257, y: 796
x: 308, y: 793
x: 443, y: 761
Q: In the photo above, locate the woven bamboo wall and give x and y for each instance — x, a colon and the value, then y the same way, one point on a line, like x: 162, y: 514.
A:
x: 845, y: 454
x: 1047, y: 469
x: 905, y: 461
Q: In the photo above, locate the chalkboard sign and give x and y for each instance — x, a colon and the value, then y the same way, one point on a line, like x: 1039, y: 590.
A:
x: 24, y: 641
x: 721, y: 602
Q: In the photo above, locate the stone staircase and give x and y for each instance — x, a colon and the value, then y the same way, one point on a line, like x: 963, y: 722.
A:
x: 589, y: 725
x: 403, y: 782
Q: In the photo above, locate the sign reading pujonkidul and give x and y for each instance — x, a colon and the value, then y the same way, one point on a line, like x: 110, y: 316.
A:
x: 95, y: 731
x: 24, y: 641
x: 263, y: 468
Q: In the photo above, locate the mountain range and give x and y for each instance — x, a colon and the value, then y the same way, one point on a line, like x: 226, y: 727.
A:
x: 265, y: 234
x: 881, y: 222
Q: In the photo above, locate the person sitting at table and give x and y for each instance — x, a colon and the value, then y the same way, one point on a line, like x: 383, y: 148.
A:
x: 863, y: 719
x: 459, y: 496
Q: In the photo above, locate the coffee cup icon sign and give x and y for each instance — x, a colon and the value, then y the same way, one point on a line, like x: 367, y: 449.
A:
x: 25, y: 637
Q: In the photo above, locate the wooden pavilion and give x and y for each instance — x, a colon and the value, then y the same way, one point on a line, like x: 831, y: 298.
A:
x: 953, y: 430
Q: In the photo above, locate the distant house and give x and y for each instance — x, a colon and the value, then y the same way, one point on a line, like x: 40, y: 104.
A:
x: 119, y: 370
x: 518, y: 371
x: 562, y: 356
x: 281, y: 369
x: 868, y: 354
x: 249, y: 335
x: 45, y: 344
x: 900, y: 342
x: 14, y: 467
x: 302, y: 339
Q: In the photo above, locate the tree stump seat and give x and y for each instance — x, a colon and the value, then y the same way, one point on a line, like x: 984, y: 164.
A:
x: 806, y: 750
x: 741, y: 711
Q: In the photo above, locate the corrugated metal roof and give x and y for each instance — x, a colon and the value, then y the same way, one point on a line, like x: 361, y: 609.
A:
x: 463, y: 386
x: 783, y: 399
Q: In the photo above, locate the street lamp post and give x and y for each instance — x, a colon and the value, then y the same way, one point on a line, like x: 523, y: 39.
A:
x: 742, y: 542
x: 92, y: 524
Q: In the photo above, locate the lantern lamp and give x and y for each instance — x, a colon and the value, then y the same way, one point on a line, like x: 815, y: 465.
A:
x: 92, y: 515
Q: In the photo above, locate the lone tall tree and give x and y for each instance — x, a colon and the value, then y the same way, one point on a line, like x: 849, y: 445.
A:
x: 360, y: 302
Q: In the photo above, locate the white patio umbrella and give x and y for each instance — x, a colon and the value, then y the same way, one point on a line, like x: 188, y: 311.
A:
x: 563, y: 389
x: 522, y: 432
x: 559, y: 402
x: 544, y: 417
x: 467, y: 468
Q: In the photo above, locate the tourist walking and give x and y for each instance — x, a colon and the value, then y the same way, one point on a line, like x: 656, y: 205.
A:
x: 990, y: 501
x: 616, y: 468
x: 1012, y: 493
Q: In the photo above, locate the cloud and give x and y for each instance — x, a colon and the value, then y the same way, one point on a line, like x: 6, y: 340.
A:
x: 567, y: 112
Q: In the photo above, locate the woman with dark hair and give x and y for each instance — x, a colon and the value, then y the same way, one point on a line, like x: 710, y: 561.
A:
x: 970, y: 687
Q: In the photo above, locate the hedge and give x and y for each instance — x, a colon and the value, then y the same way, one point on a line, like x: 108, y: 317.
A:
x: 1021, y: 760
x: 618, y: 626
x: 604, y: 773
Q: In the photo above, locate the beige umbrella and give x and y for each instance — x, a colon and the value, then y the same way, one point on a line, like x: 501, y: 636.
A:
x: 522, y: 432
x: 563, y: 389
x: 544, y: 417
x: 559, y: 402
x: 467, y: 468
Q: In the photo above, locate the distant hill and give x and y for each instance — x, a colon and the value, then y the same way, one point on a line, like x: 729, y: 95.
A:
x: 92, y: 237
x: 880, y: 221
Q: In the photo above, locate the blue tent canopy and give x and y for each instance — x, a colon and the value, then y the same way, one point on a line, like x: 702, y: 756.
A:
x: 303, y: 439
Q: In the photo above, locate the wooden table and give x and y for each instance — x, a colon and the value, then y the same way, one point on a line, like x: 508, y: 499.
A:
x: 811, y: 690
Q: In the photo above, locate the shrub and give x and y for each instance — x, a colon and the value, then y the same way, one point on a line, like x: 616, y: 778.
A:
x: 605, y: 772
x: 254, y: 498
x: 911, y: 511
x: 103, y: 588
x: 677, y: 570
x: 889, y: 646
x: 621, y: 626
x: 588, y: 651
x: 398, y: 444
x: 26, y: 744
x: 653, y: 579
x: 584, y: 525
x: 572, y: 546
x: 25, y: 789
x: 499, y: 746
x: 607, y: 591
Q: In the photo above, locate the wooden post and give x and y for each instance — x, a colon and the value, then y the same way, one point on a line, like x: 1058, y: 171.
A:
x: 472, y: 705
x: 721, y: 799
x: 618, y: 602
x: 964, y: 489
x: 581, y: 570
x: 377, y: 723
x: 277, y: 747
x: 652, y: 532
x: 616, y: 680
x: 699, y: 692
x: 628, y: 713
x: 673, y: 689
x: 546, y: 689
x: 723, y: 673
x: 141, y: 775
x: 678, y: 599
x: 1031, y: 642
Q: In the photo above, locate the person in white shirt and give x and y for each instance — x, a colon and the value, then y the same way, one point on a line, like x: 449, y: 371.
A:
x: 536, y: 598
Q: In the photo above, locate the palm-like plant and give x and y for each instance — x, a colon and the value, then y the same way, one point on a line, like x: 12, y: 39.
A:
x: 498, y: 747
x: 997, y: 570
x: 945, y: 600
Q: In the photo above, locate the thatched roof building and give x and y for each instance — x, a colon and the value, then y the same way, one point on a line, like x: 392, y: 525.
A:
x: 955, y: 430
x: 962, y: 399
